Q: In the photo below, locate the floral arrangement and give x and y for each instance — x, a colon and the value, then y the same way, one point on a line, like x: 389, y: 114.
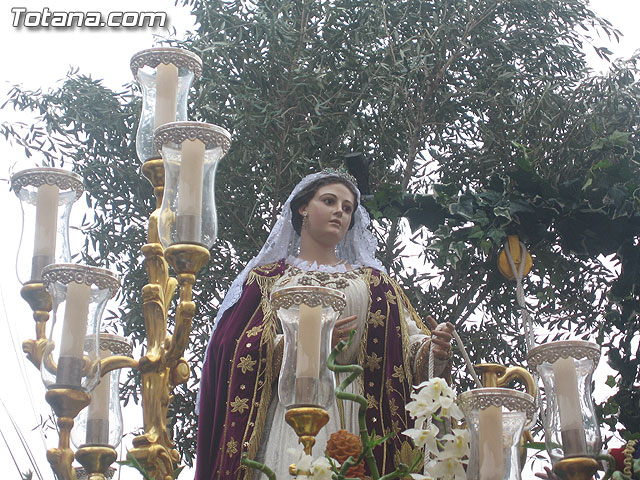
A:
x: 434, y: 407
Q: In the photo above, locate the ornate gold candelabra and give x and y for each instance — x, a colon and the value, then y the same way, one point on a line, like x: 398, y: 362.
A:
x: 165, y: 75
x: 162, y: 367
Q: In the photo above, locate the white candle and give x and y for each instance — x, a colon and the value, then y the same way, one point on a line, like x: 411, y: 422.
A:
x: 189, y: 218
x: 191, y: 172
x: 565, y: 383
x: 44, y: 245
x: 76, y: 312
x: 309, y: 340
x: 72, y: 339
x: 98, y: 414
x: 491, y: 444
x: 166, y: 94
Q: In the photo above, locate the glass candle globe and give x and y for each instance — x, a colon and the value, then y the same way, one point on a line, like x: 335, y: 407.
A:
x: 496, y: 418
x: 79, y: 295
x: 165, y: 75
x: 46, y: 197
x: 570, y: 425
x: 308, y: 315
x: 101, y: 422
x: 190, y: 153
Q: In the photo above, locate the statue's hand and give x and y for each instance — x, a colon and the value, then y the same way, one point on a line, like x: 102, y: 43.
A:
x: 342, y: 329
x: 441, y: 338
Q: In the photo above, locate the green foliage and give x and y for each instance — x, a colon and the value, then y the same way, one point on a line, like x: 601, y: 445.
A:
x: 480, y: 118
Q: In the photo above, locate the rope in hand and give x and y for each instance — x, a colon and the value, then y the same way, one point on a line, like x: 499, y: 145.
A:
x: 465, y: 356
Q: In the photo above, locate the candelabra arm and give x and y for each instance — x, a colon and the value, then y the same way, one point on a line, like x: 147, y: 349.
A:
x: 153, y: 170
x: 66, y: 404
x: 154, y: 449
x: 115, y: 362
x: 187, y: 260
x: 184, y: 316
x: 40, y: 302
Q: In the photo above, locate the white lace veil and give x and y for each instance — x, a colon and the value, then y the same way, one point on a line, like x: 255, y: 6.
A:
x: 357, y: 248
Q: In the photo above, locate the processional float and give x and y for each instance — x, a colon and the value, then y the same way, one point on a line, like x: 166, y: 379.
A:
x: 80, y: 363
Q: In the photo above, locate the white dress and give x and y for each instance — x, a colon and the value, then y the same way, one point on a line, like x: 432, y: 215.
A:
x: 278, y: 436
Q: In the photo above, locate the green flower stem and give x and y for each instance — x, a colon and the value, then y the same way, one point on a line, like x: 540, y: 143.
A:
x: 356, y: 371
x: 611, y: 464
x: 348, y: 463
x: 401, y: 471
x: 258, y: 466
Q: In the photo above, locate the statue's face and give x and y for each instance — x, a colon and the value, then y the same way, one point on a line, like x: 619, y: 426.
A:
x: 329, y: 214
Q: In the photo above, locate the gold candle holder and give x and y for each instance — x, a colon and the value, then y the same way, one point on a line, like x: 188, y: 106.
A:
x: 96, y: 460
x: 576, y: 468
x: 66, y: 404
x: 307, y: 422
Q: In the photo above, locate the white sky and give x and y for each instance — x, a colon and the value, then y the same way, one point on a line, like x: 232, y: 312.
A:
x: 39, y: 58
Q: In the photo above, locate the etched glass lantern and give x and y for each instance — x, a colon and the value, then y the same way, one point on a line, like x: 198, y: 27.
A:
x: 165, y: 75
x: 308, y: 315
x: 570, y: 425
x: 496, y: 418
x: 101, y: 422
x: 46, y: 197
x: 190, y: 152
x: 79, y: 294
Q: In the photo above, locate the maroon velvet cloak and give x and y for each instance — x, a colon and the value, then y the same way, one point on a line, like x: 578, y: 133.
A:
x: 235, y: 386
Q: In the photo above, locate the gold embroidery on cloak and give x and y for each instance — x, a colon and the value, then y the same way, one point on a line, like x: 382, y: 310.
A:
x: 367, y: 277
x: 254, y: 331
x: 246, y: 364
x: 235, y: 353
x: 268, y: 339
x: 265, y: 285
x: 232, y: 447
x: 239, y: 405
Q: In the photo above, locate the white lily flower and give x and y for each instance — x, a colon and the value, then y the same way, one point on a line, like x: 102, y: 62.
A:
x: 456, y: 444
x: 302, y: 460
x: 422, y: 437
x: 446, y: 469
x: 321, y: 469
x: 422, y: 407
x: 452, y: 411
